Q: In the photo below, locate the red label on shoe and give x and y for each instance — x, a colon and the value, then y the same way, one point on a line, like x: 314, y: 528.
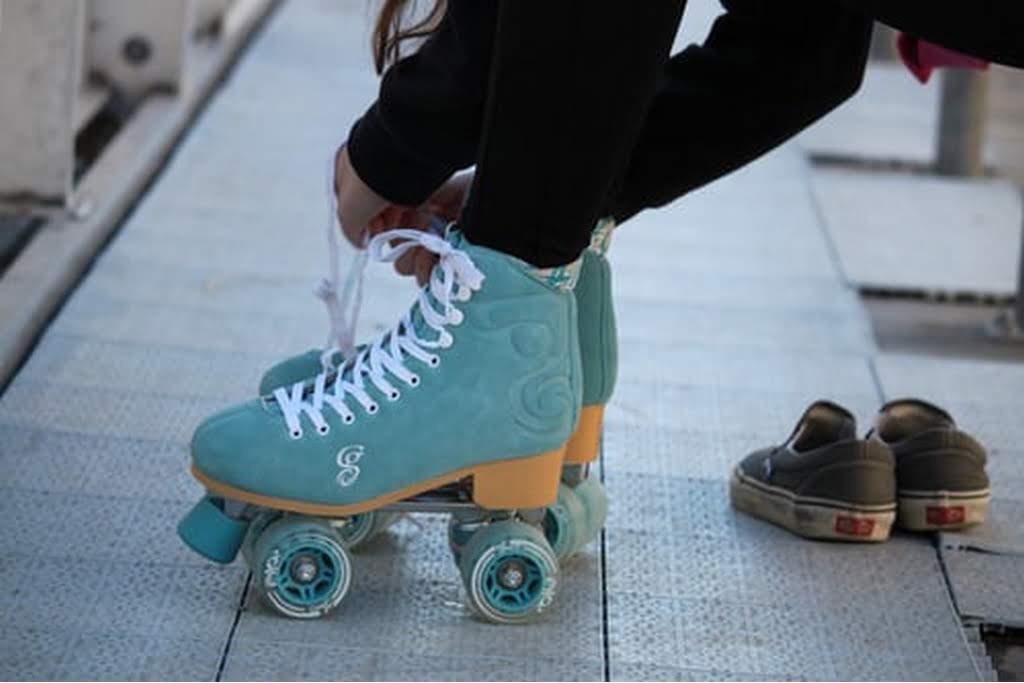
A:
x: 946, y: 515
x: 854, y: 526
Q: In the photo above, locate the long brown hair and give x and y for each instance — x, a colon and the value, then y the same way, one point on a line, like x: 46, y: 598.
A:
x: 389, y: 34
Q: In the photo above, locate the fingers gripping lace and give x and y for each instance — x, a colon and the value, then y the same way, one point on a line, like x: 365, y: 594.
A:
x: 343, y: 310
x: 454, y: 278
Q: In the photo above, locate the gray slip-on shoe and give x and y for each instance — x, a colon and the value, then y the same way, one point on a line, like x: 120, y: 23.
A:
x: 823, y: 482
x: 940, y: 469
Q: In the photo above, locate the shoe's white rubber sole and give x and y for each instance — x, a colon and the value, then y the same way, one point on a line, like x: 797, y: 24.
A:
x: 820, y: 518
x: 942, y: 510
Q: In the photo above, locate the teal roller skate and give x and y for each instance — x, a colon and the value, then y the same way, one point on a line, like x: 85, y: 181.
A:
x: 580, y: 511
x: 463, y: 407
x: 578, y: 515
x: 342, y: 301
x: 599, y: 355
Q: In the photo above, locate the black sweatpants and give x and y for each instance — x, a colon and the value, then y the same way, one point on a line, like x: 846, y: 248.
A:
x: 574, y: 110
x: 767, y: 70
x: 546, y: 98
x: 567, y: 94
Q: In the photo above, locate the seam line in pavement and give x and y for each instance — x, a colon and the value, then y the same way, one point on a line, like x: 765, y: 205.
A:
x: 819, y: 214
x: 603, y: 554
x: 234, y: 626
x: 875, y: 378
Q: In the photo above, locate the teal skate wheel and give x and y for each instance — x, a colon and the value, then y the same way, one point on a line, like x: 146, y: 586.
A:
x: 592, y: 494
x: 510, y: 572
x: 361, y: 528
x: 565, y: 523
x: 300, y: 567
x: 459, y: 534
x: 207, y: 530
x: 256, y: 527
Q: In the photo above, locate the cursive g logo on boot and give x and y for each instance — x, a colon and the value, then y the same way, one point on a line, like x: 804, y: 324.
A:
x: 347, y: 460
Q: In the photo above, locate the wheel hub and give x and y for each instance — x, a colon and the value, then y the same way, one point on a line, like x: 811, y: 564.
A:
x: 304, y: 569
x: 512, y: 574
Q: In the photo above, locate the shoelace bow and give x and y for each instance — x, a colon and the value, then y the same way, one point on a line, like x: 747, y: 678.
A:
x: 454, y: 278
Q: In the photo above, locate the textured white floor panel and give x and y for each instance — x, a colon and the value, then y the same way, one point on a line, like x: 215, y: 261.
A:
x: 407, y: 598
x: 103, y: 412
x: 671, y: 285
x: 89, y: 363
x: 108, y: 611
x: 693, y: 585
x: 702, y: 430
x: 752, y: 328
x: 987, y: 586
x: 274, y: 661
x: 761, y: 370
x: 53, y: 461
x: 952, y: 382
x: 52, y: 654
x: 892, y: 118
x: 922, y: 233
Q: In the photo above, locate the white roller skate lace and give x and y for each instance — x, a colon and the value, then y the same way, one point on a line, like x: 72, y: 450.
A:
x: 343, y: 308
x: 342, y: 330
x: 454, y: 278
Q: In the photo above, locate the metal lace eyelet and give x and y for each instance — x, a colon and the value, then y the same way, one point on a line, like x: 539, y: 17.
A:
x: 372, y: 408
x: 414, y: 381
x: 323, y: 430
x: 435, y: 361
x: 394, y: 395
x: 296, y: 434
x: 348, y: 419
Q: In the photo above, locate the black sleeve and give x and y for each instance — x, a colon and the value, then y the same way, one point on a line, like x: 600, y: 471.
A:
x: 989, y: 29
x: 768, y: 69
x: 425, y: 124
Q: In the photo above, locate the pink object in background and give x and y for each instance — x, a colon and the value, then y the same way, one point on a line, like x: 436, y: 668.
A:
x: 922, y: 57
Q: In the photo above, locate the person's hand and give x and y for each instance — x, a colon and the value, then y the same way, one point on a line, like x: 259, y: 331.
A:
x: 445, y: 204
x: 359, y: 207
x: 363, y: 213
